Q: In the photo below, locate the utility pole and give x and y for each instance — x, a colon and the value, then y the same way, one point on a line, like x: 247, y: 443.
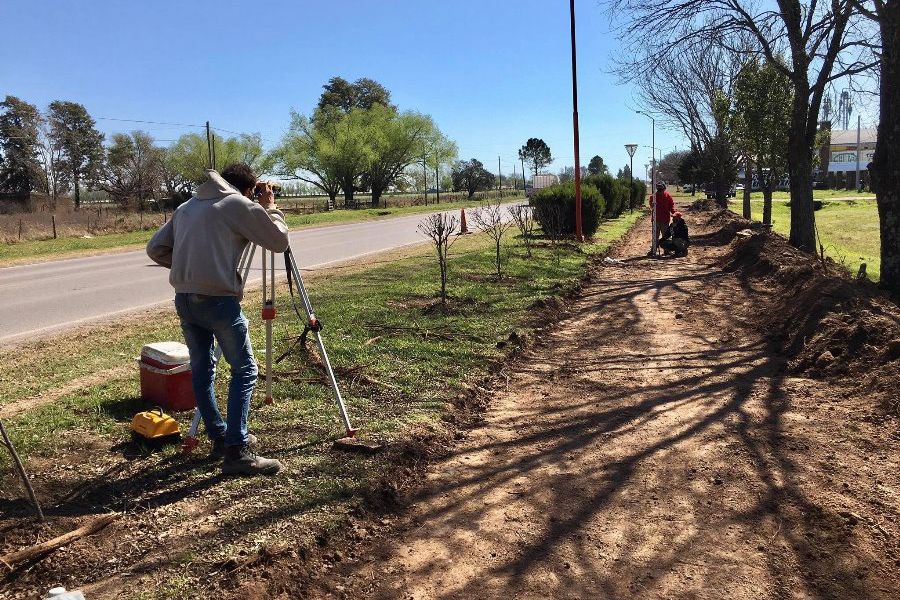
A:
x: 579, y: 235
x: 523, y: 173
x: 437, y: 179
x: 425, y: 179
x: 515, y: 180
x: 214, y: 164
x: 209, y: 147
x: 499, y: 178
x: 858, y: 125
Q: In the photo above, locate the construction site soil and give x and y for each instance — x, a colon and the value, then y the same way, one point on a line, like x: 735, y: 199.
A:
x: 723, y: 425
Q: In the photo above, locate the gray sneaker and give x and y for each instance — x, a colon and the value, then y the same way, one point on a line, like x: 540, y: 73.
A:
x: 239, y: 460
x: 218, y: 445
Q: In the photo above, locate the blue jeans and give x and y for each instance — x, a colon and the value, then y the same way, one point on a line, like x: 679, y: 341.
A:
x: 203, y: 319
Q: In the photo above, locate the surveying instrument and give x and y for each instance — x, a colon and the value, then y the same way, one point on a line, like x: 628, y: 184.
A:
x: 311, y: 324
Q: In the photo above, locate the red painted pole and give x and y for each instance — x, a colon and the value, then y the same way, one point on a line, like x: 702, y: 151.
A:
x: 579, y: 235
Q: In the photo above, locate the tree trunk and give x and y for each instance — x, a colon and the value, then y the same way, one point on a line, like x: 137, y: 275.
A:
x: 347, y: 187
x: 800, y: 148
x: 748, y: 182
x: 376, y: 197
x: 885, y: 175
x: 77, y: 191
x: 765, y: 184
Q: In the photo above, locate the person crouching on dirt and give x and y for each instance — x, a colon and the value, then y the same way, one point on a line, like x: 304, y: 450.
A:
x: 202, y: 245
x: 664, y: 206
x: 675, y: 239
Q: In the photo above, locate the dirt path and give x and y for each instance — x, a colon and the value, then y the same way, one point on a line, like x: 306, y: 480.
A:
x: 652, y: 446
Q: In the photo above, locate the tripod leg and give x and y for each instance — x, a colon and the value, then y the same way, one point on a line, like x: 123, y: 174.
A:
x: 18, y: 463
x: 268, y: 315
x: 314, y: 326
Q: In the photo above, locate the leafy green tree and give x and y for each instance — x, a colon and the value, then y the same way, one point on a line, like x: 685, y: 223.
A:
x: 134, y: 168
x: 331, y: 152
x: 308, y: 153
x: 597, y: 166
x: 691, y: 170
x: 20, y: 170
x: 341, y: 115
x: 188, y: 157
x: 345, y: 96
x: 624, y: 173
x: 471, y: 176
x: 566, y: 175
x: 536, y: 153
x: 75, y: 133
x: 761, y: 116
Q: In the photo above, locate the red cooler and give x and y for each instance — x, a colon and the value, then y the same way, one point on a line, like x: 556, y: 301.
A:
x: 166, y: 376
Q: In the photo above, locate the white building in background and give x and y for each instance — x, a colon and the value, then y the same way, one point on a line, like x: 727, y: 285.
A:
x: 843, y: 150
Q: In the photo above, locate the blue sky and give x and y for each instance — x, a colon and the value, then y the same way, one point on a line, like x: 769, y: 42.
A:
x: 492, y: 73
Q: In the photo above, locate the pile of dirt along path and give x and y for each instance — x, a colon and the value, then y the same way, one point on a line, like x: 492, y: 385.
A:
x: 828, y: 324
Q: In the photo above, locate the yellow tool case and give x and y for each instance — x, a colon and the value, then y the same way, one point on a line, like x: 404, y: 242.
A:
x: 155, y: 426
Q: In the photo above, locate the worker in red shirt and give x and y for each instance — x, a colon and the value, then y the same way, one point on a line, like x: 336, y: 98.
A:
x: 664, y: 205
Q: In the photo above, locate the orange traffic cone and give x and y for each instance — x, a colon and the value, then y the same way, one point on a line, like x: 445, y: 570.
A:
x: 463, y: 228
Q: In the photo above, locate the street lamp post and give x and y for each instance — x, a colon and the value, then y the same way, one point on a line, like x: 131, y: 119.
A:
x: 630, y: 149
x: 653, y: 242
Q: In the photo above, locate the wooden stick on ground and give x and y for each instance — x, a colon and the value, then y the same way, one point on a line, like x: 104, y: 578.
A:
x: 18, y: 463
x: 14, y: 558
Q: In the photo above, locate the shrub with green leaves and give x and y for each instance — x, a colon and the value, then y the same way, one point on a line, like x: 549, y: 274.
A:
x: 614, y: 192
x: 638, y: 193
x: 554, y: 209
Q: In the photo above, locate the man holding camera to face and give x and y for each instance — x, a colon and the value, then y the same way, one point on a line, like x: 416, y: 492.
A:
x: 202, y: 244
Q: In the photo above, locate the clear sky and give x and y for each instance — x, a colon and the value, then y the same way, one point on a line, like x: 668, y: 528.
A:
x: 492, y: 73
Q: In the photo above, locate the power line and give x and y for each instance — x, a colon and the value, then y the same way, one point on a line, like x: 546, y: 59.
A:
x: 149, y: 122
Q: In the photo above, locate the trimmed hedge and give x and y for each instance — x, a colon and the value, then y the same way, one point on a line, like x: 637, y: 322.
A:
x: 614, y: 191
x: 638, y: 194
x: 554, y: 209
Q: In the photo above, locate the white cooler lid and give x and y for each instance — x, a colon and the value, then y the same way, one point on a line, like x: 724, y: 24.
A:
x: 167, y: 353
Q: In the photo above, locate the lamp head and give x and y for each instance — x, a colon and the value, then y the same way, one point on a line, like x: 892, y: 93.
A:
x: 631, y: 148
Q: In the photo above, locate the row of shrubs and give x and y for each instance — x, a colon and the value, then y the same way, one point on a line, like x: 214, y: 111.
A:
x: 602, y: 197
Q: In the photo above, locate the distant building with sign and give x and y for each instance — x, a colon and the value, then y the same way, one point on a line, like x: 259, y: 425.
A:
x: 840, y: 156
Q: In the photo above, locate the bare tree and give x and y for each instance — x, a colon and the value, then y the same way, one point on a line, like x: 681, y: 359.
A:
x: 489, y: 218
x: 523, y: 216
x: 550, y: 216
x: 822, y: 42
x: 50, y: 155
x: 700, y: 109
x: 439, y: 228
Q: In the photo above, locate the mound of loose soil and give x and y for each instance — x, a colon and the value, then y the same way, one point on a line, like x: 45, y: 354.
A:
x: 828, y: 324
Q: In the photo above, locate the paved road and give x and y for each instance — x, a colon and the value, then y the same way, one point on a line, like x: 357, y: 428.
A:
x: 41, y: 298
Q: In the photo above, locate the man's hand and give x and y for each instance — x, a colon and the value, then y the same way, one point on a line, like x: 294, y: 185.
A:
x: 267, y: 197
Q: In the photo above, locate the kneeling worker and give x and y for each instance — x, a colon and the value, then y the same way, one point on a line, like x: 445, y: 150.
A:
x: 202, y: 245
x: 675, y: 238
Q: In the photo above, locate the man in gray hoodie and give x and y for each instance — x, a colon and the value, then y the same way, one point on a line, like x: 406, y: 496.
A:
x: 202, y: 245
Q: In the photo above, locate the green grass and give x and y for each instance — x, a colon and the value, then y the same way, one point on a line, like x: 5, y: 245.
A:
x: 74, y: 246
x: 401, y: 362
x: 848, y: 230
x: 818, y: 194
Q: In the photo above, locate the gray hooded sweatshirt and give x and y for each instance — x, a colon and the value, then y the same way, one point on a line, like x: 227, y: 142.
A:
x: 203, y: 242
